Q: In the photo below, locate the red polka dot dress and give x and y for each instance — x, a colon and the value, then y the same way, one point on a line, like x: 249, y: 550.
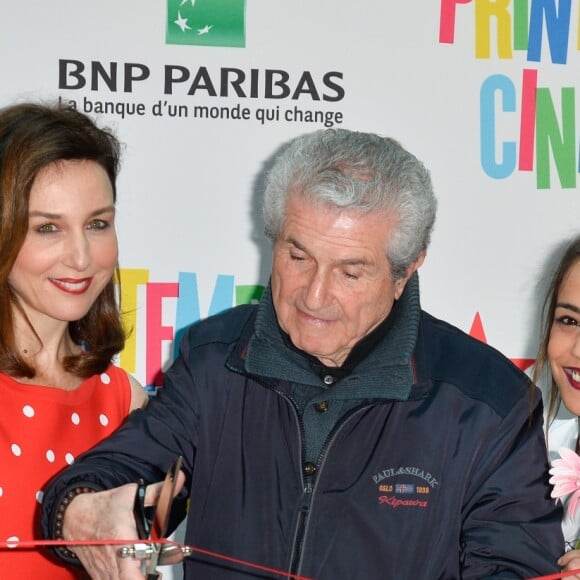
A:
x: 42, y: 430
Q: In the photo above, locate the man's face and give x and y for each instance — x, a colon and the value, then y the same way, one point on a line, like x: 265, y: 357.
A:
x: 331, y: 280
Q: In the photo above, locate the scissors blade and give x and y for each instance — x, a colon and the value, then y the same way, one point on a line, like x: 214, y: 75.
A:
x: 163, y: 511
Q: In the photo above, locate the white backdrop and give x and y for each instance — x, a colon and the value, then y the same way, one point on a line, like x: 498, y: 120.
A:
x: 462, y: 84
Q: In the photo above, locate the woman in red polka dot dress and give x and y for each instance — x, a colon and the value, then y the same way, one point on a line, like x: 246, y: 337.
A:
x: 60, y: 325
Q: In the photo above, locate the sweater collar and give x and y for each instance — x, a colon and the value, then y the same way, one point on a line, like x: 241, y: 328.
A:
x: 379, y: 365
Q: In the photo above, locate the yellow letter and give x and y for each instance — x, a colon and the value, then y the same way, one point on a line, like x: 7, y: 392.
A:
x: 484, y: 11
x: 130, y: 280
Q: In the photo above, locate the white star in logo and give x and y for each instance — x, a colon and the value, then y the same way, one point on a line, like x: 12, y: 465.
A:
x: 205, y: 29
x: 182, y: 22
x: 185, y: 2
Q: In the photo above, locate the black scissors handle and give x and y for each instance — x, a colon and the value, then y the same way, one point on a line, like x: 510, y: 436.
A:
x: 143, y: 515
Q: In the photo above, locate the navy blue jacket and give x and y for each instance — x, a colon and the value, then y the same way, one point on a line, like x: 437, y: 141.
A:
x: 449, y: 483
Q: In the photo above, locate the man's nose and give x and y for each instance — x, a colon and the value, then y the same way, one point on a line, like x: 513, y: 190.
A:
x: 317, y: 290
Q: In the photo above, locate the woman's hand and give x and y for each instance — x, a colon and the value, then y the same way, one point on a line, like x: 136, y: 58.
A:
x: 571, y: 561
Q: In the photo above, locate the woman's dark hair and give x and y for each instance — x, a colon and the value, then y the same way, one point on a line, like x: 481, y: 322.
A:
x: 570, y: 257
x: 32, y: 137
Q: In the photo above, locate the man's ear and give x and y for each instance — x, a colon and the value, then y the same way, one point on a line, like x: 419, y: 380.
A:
x: 400, y: 284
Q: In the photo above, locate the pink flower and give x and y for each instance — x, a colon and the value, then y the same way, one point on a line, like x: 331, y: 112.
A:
x: 565, y: 478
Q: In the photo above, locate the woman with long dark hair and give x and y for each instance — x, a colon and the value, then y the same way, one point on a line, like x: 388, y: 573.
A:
x: 60, y: 324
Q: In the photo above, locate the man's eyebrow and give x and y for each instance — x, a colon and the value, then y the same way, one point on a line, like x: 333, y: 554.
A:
x: 341, y: 262
x: 568, y: 306
x: 353, y: 262
x: 296, y: 244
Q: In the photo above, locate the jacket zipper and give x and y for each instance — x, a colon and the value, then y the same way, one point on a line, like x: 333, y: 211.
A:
x: 300, y: 530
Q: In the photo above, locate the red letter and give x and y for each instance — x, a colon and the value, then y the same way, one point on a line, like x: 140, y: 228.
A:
x: 447, y: 20
x: 528, y: 119
x: 156, y: 332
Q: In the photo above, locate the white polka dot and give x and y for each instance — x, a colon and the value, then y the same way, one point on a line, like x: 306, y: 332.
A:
x: 69, y: 458
x: 50, y: 455
x: 75, y: 418
x: 28, y: 411
x: 1, y: 492
x: 16, y: 450
x: 103, y: 419
x: 105, y: 378
x: 39, y: 496
x: 12, y: 541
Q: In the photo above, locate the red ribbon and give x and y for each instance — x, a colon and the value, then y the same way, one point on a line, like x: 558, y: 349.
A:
x: 30, y: 544
x: 563, y: 574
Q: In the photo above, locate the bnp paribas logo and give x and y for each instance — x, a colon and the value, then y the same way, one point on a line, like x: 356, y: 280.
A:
x: 206, y: 22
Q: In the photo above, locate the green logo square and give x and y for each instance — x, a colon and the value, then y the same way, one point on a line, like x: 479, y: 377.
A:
x: 206, y: 22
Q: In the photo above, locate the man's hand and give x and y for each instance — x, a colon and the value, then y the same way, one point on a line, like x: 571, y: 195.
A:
x: 108, y: 515
x: 571, y: 561
x: 101, y: 516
